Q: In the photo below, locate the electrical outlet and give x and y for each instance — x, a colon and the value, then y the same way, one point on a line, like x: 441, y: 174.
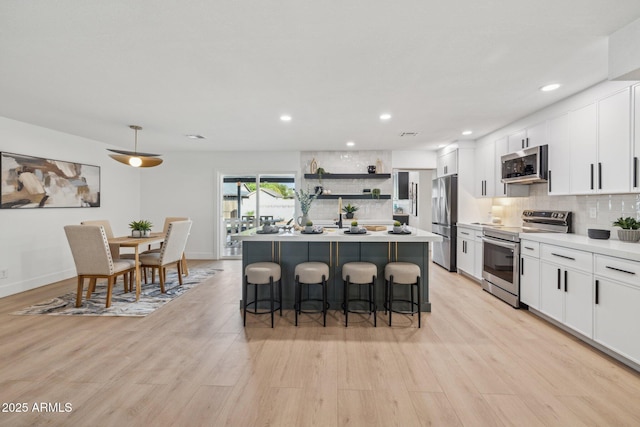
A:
x: 593, y: 213
x: 4, y: 274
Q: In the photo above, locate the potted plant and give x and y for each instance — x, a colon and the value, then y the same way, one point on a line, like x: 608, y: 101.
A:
x: 354, y: 227
x: 305, y: 199
x: 140, y: 228
x: 350, y: 209
x: 630, y: 229
x: 308, y: 228
x: 397, y: 227
x: 375, y: 193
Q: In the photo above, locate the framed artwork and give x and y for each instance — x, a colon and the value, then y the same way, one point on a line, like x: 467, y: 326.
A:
x: 34, y: 182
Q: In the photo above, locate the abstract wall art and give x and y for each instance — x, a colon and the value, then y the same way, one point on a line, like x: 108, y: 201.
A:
x: 33, y: 182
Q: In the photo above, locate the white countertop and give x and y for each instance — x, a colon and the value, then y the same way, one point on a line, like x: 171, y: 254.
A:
x: 472, y: 226
x: 615, y: 248
x: 335, y: 235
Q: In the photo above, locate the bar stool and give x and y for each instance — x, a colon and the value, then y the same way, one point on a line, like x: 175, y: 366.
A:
x: 261, y: 273
x: 359, y: 273
x: 402, y: 273
x: 311, y: 273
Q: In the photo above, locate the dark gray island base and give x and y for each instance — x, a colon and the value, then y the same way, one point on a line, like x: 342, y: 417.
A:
x: 335, y: 250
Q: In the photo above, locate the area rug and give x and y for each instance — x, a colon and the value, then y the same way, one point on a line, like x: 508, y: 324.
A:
x: 122, y: 304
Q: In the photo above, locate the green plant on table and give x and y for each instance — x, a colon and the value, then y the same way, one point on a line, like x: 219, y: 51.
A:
x: 627, y: 223
x: 350, y: 208
x: 142, y: 225
x: 309, y: 224
x: 396, y: 223
x: 354, y: 223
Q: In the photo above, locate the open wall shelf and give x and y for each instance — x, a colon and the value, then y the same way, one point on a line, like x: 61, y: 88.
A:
x: 354, y: 196
x: 347, y: 176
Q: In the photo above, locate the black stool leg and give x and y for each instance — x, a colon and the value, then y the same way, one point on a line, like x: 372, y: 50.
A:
x: 255, y: 298
x: 390, y: 298
x: 280, y: 294
x: 271, y: 297
x: 372, y: 294
x: 346, y: 303
x: 419, y: 312
x: 412, y: 301
x: 324, y: 301
x: 245, y: 288
x: 296, y: 306
x: 386, y: 296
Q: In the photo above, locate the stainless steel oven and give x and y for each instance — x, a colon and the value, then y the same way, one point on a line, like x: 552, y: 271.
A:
x: 501, y: 251
x: 501, y: 267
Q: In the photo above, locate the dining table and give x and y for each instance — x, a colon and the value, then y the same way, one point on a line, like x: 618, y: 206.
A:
x: 135, y: 242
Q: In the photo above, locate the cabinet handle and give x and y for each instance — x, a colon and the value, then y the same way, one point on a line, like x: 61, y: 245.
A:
x: 465, y: 233
x: 597, y: 291
x: 522, y: 266
x: 566, y: 277
x: 529, y: 248
x: 445, y: 170
x: 591, y: 166
x: 559, y: 273
x: 563, y: 256
x: 620, y: 270
x: 549, y: 178
x: 635, y: 171
x: 599, y: 176
x: 522, y: 143
x: 527, y: 142
x: 504, y: 190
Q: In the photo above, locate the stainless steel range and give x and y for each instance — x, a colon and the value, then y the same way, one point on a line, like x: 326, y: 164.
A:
x: 501, y: 251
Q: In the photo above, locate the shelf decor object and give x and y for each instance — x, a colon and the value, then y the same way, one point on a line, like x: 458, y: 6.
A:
x: 134, y: 158
x: 305, y: 199
x: 34, y: 182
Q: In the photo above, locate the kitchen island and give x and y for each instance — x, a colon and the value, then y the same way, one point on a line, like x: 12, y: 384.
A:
x: 335, y: 248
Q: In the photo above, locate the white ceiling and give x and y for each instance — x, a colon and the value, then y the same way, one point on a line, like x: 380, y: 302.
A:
x: 229, y: 69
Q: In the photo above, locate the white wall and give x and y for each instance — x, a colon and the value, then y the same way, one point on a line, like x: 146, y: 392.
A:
x: 187, y: 184
x: 33, y: 246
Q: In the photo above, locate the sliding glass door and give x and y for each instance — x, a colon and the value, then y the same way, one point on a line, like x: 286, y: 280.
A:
x: 248, y: 201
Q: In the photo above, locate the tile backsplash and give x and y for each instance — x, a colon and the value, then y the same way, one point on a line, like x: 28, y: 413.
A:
x: 591, y: 211
x: 348, y: 162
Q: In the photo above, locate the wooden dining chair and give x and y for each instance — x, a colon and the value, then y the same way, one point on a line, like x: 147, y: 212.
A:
x: 93, y: 260
x: 170, y: 252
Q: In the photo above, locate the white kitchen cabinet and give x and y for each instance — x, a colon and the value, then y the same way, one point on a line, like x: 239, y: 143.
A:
x: 477, y: 265
x: 614, y: 143
x: 583, y: 140
x: 531, y: 137
x: 465, y: 250
x: 485, y: 157
x: 530, y: 273
x: 617, y: 298
x: 447, y: 164
x: 566, y: 287
x: 600, y: 139
x: 559, y: 155
x: 635, y: 159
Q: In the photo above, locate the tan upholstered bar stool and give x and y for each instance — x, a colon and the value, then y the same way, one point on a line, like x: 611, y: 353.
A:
x: 260, y: 274
x: 359, y: 273
x: 311, y: 273
x: 402, y: 273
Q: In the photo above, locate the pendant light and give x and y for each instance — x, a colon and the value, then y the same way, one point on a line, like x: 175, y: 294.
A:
x: 133, y: 158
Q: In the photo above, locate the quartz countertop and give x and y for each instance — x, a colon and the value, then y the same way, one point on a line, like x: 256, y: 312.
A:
x: 335, y: 234
x: 611, y: 247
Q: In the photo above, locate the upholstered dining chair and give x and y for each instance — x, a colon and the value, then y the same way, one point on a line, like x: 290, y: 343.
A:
x: 168, y: 220
x: 92, y: 256
x: 170, y: 253
x: 115, y: 249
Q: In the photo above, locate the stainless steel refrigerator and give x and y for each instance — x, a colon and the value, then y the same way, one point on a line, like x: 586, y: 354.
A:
x: 444, y: 216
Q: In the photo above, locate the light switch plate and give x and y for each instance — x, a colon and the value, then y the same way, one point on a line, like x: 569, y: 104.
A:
x: 4, y: 274
x: 593, y: 213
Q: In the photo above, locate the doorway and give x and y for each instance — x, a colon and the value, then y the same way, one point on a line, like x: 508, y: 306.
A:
x: 248, y: 201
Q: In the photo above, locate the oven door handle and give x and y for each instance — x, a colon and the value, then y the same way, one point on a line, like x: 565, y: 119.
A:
x: 507, y: 245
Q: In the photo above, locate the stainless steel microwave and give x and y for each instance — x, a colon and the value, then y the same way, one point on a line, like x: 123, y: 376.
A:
x: 527, y: 166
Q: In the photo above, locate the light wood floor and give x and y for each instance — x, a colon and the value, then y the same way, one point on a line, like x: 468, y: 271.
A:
x: 475, y: 362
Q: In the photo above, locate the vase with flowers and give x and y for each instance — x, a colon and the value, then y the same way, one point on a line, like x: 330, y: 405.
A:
x: 305, y: 199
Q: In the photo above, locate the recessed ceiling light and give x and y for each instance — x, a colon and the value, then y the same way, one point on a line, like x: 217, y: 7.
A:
x: 467, y: 132
x: 285, y: 118
x: 549, y: 88
x: 350, y: 144
x: 195, y: 136
x: 385, y: 116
